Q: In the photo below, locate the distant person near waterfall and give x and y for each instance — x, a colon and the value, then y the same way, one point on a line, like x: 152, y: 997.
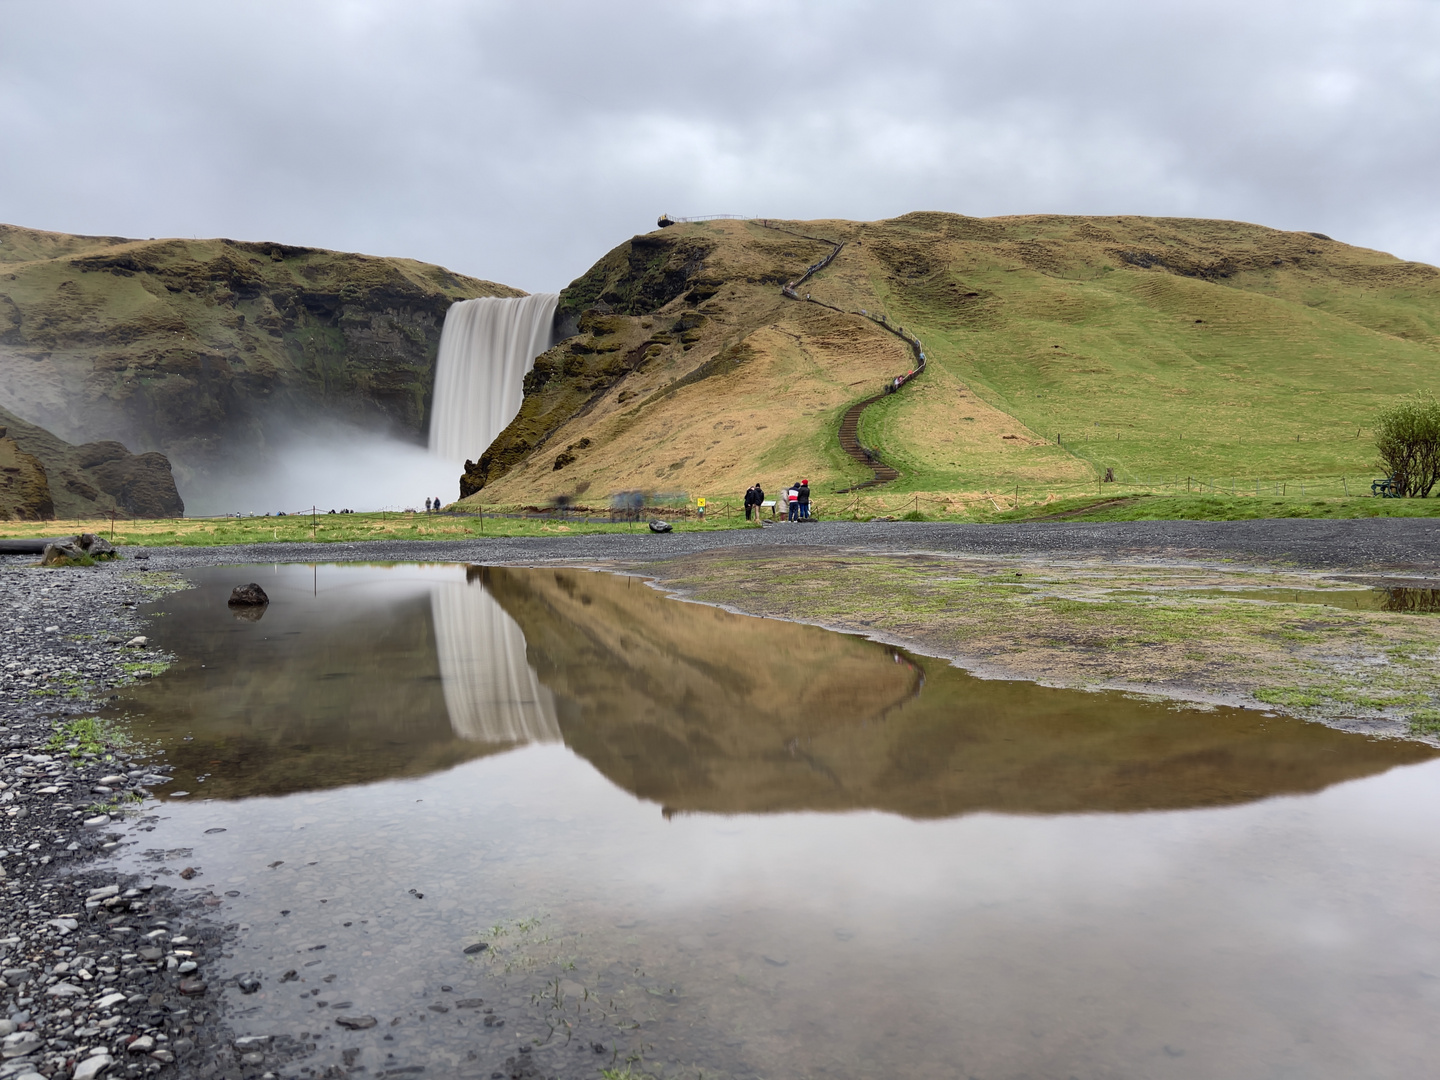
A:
x: 427, y: 506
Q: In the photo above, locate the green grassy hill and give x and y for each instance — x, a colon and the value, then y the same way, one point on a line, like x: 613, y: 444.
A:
x: 1166, y: 349
x: 1163, y: 349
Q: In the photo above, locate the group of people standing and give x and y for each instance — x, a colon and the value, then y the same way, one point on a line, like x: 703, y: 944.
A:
x: 797, y: 501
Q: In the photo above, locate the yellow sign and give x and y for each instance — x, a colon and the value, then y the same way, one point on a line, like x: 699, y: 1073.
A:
x: 699, y: 502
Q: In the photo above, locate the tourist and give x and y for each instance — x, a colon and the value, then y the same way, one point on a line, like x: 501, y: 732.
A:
x: 803, y: 498
x: 792, y: 502
x: 437, y: 504
x: 749, y: 501
x: 427, y: 506
x: 759, y: 500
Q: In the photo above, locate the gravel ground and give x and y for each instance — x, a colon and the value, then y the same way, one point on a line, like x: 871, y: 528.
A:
x: 100, y: 975
x: 1392, y: 545
x: 103, y: 976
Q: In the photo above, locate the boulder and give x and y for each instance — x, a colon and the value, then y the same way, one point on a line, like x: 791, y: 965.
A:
x: 82, y: 550
x: 251, y: 595
x: 661, y: 527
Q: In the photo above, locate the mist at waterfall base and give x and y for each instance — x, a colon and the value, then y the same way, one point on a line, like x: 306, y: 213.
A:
x: 487, y: 347
x: 332, y: 466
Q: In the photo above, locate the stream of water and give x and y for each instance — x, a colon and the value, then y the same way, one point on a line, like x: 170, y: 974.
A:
x: 712, y: 845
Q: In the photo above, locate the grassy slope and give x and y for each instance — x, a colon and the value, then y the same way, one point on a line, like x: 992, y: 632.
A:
x: 1161, y: 348
x: 1197, y: 507
x: 1272, y: 370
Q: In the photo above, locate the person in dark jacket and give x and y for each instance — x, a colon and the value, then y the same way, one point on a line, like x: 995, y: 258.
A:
x: 804, y: 499
x: 749, y: 501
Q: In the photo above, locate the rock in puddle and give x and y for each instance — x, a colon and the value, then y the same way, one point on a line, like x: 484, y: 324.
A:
x: 356, y: 1023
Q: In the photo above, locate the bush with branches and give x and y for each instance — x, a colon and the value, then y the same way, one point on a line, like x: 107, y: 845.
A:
x: 1407, y: 436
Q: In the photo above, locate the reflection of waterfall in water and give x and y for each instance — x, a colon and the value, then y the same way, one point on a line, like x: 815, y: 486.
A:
x: 491, y: 690
x: 487, y: 348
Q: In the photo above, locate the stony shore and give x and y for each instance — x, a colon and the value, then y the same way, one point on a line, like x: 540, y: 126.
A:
x: 103, y: 975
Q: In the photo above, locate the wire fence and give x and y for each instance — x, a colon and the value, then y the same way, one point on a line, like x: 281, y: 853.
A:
x: 1346, y: 486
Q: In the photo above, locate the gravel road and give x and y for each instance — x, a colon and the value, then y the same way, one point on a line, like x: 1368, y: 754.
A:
x: 1409, y: 546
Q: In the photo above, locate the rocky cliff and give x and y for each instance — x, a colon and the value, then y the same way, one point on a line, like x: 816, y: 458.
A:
x: 207, y: 349
x: 42, y: 476
x: 24, y: 487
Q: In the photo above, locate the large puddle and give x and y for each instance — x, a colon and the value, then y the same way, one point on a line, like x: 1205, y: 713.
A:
x: 724, y: 846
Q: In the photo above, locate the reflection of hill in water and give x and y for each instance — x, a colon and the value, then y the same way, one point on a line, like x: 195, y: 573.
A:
x: 701, y: 710
x: 343, y: 686
x: 362, y: 673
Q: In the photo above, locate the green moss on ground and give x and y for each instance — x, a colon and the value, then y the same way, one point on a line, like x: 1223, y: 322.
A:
x: 1174, y: 631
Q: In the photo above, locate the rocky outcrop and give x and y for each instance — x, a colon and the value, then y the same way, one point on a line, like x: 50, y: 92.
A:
x: 605, y: 338
x: 94, y: 479
x: 83, y: 550
x: 206, y: 349
x: 24, y: 487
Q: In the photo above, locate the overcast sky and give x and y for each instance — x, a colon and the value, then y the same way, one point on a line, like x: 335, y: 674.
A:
x: 520, y: 141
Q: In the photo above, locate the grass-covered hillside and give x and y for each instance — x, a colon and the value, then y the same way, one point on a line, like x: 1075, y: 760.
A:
x: 1225, y: 354
x: 204, y: 349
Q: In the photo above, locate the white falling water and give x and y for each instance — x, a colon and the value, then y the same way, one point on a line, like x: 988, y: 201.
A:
x: 491, y: 692
x: 487, y: 347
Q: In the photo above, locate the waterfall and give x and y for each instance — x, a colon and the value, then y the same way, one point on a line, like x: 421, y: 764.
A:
x: 491, y: 692
x: 487, y: 347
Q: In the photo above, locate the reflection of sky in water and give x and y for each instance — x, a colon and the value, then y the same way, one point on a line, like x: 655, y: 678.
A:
x: 1289, y: 936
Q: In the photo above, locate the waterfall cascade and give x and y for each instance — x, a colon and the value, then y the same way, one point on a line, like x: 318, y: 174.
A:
x: 487, y: 347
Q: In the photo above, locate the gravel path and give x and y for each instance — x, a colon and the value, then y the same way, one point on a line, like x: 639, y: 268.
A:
x: 1391, y: 545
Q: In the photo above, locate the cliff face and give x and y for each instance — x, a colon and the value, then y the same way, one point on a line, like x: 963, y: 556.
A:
x: 80, y: 482
x: 206, y: 349
x: 24, y: 487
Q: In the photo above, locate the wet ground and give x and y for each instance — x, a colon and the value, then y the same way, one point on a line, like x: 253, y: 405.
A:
x: 703, y: 843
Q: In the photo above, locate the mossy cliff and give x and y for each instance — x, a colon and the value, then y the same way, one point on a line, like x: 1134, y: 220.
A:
x: 24, y: 487
x: 1059, y: 347
x: 42, y: 476
x: 205, y: 349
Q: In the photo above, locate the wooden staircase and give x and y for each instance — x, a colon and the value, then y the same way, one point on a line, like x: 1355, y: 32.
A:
x: 850, y: 443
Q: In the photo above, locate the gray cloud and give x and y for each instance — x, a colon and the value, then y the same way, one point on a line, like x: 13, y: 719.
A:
x: 518, y: 141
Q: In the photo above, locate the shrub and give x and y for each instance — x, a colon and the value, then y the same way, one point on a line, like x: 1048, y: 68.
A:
x: 1407, y: 436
